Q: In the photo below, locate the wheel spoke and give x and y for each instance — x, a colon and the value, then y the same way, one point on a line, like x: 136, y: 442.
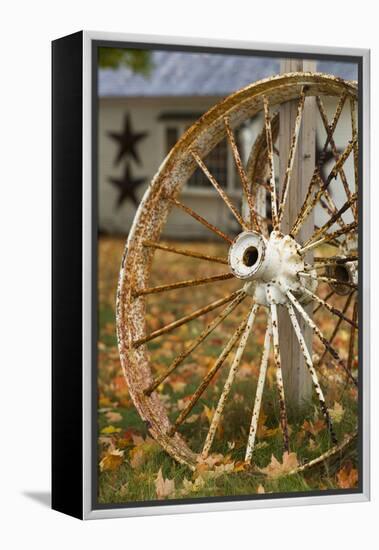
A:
x: 329, y: 307
x: 291, y: 155
x: 312, y: 371
x: 329, y: 295
x: 352, y: 337
x: 334, y: 151
x: 329, y: 237
x: 259, y: 393
x: 189, y: 349
x: 334, y: 260
x: 320, y: 335
x: 200, y: 219
x: 322, y: 230
x: 354, y: 135
x: 332, y: 126
x: 311, y: 201
x: 207, y: 379
x: 243, y: 177
x: 279, y: 377
x: 308, y: 204
x: 228, y: 384
x: 338, y: 324
x: 220, y: 190
x: 182, y: 284
x: 329, y: 280
x: 341, y: 161
x: 270, y: 156
x: 186, y: 319
x: 185, y: 252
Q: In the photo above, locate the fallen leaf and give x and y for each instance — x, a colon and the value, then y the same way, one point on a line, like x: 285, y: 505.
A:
x: 143, y: 449
x: 313, y: 427
x: 192, y: 486
x: 277, y: 469
x: 110, y: 430
x: 113, y: 416
x: 112, y: 460
x: 164, y: 487
x: 347, y: 477
x: 337, y: 412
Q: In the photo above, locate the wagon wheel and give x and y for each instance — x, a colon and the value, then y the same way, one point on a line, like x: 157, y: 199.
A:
x: 269, y: 269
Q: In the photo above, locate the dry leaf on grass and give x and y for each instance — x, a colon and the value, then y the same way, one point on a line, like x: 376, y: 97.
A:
x: 112, y: 460
x: 192, y: 486
x: 164, y: 487
x: 347, y: 477
x: 110, y: 430
x: 277, y: 469
x: 337, y: 412
x: 143, y: 450
x: 113, y: 416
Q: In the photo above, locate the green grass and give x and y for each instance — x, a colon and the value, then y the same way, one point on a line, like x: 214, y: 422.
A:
x: 128, y: 482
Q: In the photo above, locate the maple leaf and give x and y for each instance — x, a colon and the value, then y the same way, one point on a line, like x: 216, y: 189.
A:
x: 337, y: 412
x: 112, y: 460
x: 164, y: 487
x: 347, y: 476
x: 143, y: 450
x: 113, y: 416
x: 313, y: 427
x: 110, y: 430
x: 192, y: 486
x: 277, y: 469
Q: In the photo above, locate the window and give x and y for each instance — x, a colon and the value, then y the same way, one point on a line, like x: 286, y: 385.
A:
x: 219, y: 161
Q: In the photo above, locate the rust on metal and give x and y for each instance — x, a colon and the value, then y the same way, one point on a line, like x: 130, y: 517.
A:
x: 338, y: 324
x: 321, y: 337
x: 189, y: 349
x: 322, y: 230
x: 279, y: 377
x: 182, y: 284
x: 186, y: 319
x: 330, y: 308
x: 229, y: 382
x: 291, y: 155
x: 312, y: 371
x: 330, y: 236
x: 334, y: 151
x: 200, y: 219
x: 242, y: 174
x: 259, y: 393
x: 211, y: 373
x: 185, y: 252
x: 270, y: 156
x: 152, y: 214
x: 220, y: 190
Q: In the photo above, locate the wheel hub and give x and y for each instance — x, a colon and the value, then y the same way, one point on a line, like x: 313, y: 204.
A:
x: 270, y: 267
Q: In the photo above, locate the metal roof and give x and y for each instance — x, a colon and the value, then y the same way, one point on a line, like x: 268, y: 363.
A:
x: 199, y: 74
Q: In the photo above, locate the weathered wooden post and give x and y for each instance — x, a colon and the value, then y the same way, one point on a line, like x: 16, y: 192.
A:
x: 297, y: 380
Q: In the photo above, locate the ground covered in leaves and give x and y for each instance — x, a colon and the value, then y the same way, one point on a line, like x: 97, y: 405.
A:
x: 133, y: 467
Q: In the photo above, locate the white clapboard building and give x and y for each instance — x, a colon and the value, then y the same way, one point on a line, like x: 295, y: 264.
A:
x: 141, y: 118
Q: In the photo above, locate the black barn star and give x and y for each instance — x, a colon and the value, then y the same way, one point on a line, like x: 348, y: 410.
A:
x: 127, y: 141
x: 127, y: 186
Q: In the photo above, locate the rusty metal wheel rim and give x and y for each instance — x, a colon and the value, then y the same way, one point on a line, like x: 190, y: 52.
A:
x: 145, y: 233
